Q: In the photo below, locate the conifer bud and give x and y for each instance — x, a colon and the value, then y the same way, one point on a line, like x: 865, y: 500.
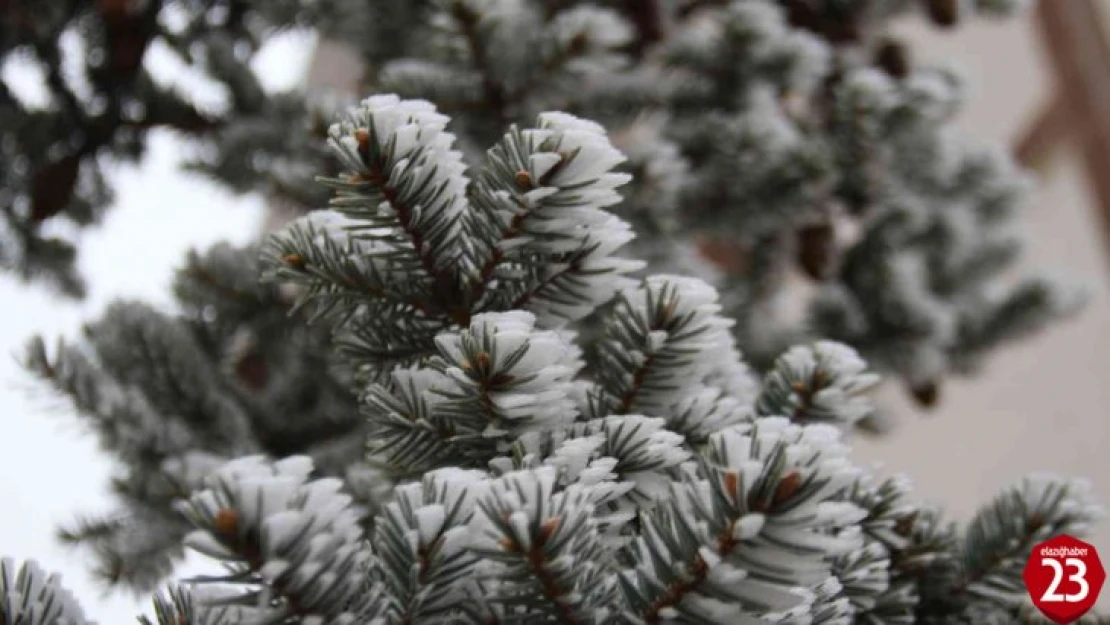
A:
x: 732, y: 484
x: 296, y: 261
x: 668, y: 311
x: 523, y: 179
x: 362, y: 136
x: 226, y: 522
x: 788, y: 486
x: 1036, y: 522
x: 943, y: 13
x: 548, y: 529
x: 893, y: 57
x: 817, y: 250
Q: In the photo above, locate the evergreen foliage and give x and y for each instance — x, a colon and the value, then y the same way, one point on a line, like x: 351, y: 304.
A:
x: 510, y: 469
x: 101, y: 101
x: 498, y: 378
x: 794, y: 143
x: 170, y: 397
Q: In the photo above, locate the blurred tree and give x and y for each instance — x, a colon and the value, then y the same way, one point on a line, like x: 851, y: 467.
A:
x: 91, y: 58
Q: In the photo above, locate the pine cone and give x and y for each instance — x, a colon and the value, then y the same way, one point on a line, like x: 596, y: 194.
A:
x: 926, y: 394
x: 725, y: 254
x: 838, y: 24
x: 253, y: 371
x: 114, y: 9
x: 943, y: 13
x: 893, y: 57
x: 817, y: 250
x: 52, y: 187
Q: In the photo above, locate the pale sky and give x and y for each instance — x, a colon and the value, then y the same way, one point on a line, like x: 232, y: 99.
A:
x: 50, y: 469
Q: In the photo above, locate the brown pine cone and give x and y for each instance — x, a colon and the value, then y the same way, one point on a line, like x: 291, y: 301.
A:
x: 943, y: 13
x: 817, y: 250
x: 927, y: 395
x: 893, y: 57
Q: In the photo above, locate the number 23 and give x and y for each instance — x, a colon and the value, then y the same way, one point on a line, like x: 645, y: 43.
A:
x: 1079, y: 577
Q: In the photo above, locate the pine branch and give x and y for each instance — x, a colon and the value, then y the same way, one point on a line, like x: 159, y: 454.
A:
x: 1001, y: 534
x: 496, y: 99
x: 714, y: 527
x: 647, y: 16
x: 443, y: 281
x: 529, y: 534
x: 807, y: 379
x: 658, y: 341
x: 28, y: 595
x: 429, y: 577
x: 255, y: 513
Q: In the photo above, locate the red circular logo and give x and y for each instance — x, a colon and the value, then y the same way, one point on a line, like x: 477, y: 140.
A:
x: 1064, y: 577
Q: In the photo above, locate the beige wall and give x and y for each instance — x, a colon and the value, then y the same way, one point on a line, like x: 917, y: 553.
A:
x: 1043, y: 405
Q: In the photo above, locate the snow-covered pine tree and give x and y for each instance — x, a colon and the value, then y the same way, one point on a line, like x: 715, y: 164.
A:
x: 508, y: 469
x: 776, y: 133
x: 95, y: 100
x: 773, y: 135
x: 795, y: 143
